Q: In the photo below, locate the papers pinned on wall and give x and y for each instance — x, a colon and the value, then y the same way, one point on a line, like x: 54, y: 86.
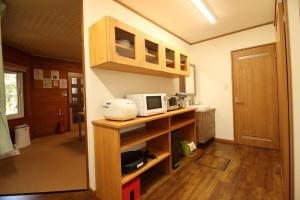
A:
x: 38, y: 74
x: 63, y: 83
x: 50, y: 79
x: 47, y: 83
x: 55, y: 84
x: 54, y: 75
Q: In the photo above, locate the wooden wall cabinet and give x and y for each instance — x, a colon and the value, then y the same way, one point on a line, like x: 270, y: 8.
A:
x: 116, y: 46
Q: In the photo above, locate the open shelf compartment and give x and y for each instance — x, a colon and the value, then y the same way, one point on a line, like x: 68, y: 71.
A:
x: 158, y: 146
x: 181, y: 120
x: 160, y: 156
x: 151, y: 130
x: 153, y: 178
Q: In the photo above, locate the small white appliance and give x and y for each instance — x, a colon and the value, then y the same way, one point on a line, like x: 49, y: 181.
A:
x: 149, y: 104
x: 119, y: 109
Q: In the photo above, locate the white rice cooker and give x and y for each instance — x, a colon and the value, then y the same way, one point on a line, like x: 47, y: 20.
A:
x: 119, y: 109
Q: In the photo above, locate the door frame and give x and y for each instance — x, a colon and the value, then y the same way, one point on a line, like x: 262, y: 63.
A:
x: 232, y: 83
x: 290, y: 102
x: 88, y: 185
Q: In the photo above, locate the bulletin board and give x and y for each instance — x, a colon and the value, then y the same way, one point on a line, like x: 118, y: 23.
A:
x: 50, y: 79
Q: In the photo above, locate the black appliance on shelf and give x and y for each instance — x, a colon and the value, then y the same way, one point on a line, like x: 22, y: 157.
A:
x: 176, y: 148
x: 132, y: 160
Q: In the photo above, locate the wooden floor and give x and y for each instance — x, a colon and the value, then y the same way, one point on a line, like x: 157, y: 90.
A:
x: 252, y: 174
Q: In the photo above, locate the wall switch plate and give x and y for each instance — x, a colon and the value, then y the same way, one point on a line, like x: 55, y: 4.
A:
x: 226, y: 87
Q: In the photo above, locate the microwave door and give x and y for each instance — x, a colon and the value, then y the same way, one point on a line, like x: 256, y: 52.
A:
x: 154, y: 104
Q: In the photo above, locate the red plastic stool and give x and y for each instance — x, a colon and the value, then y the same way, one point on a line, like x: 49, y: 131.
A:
x: 131, y: 190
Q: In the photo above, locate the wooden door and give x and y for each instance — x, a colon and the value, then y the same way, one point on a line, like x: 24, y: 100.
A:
x: 76, y: 100
x: 283, y: 100
x: 255, y: 97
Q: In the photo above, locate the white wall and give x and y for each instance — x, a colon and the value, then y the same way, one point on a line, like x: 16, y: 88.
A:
x: 294, y: 33
x: 102, y: 85
x: 213, y: 72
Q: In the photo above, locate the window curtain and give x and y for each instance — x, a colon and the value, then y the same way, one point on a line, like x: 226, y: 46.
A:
x: 6, y: 146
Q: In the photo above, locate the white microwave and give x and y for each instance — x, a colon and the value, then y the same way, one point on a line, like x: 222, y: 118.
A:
x: 149, y: 104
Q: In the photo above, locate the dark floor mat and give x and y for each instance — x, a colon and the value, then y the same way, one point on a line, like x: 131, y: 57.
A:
x: 213, y: 161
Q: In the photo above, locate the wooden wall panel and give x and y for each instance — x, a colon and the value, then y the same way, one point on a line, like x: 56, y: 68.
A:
x: 41, y: 105
x: 45, y: 106
x: 16, y: 57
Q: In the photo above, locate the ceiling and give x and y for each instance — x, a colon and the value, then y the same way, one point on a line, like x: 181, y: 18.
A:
x: 50, y: 28
x: 183, y: 19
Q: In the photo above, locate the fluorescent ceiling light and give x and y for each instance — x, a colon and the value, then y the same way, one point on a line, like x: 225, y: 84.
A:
x: 200, y: 5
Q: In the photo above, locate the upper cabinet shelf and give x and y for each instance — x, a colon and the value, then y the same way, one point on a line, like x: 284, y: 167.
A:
x: 117, y: 46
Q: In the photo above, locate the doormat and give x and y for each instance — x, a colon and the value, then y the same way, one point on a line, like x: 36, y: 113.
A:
x: 213, y: 161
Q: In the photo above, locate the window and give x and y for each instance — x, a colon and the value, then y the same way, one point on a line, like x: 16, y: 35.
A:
x: 14, y: 94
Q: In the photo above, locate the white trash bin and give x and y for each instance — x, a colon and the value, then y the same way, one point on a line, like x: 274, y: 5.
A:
x: 22, y: 136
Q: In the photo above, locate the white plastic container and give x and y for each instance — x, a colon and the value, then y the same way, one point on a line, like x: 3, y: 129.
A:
x: 22, y: 136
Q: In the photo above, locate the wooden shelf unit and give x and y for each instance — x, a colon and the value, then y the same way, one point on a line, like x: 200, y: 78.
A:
x: 111, y: 140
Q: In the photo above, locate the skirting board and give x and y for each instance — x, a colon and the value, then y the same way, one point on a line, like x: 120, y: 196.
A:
x: 224, y: 140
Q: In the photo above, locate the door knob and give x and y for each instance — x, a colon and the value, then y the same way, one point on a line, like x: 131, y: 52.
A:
x: 237, y: 100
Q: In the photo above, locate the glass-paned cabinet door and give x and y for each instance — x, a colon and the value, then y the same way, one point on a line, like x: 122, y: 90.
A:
x: 124, y: 43
x: 170, y: 59
x: 152, y: 54
x: 184, y: 64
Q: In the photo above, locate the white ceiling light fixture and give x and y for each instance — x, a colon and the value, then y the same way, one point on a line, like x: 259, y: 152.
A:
x: 204, y: 10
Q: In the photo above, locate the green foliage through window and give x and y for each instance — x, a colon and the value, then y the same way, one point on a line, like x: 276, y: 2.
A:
x: 13, y: 92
